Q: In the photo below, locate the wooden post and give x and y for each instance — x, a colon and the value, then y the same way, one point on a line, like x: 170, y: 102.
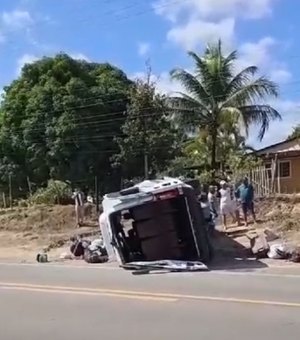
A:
x: 97, y: 194
x: 259, y: 177
x: 4, y: 200
x: 262, y: 181
x: 267, y: 191
x: 278, y: 177
x: 29, y: 186
x: 259, y: 181
x: 146, y: 165
x: 10, y: 190
x: 273, y: 172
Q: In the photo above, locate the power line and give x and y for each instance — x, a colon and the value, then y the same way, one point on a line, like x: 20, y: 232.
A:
x: 101, y: 122
x: 127, y: 99
x: 101, y: 152
x: 114, y: 12
x: 47, y: 113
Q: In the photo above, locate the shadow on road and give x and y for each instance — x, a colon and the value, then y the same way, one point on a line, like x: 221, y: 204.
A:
x: 233, y: 253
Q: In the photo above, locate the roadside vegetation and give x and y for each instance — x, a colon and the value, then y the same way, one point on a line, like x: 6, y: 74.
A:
x: 67, y: 123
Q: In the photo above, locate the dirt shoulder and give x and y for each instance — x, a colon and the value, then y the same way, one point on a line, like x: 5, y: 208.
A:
x: 26, y: 231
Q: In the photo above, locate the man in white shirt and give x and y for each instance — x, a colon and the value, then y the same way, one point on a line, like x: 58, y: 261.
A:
x: 228, y: 204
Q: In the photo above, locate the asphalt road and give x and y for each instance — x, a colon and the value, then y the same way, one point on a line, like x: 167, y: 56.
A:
x: 90, y: 302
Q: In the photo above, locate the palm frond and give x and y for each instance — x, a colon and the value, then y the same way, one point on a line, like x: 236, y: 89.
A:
x: 191, y: 84
x: 202, y: 71
x: 241, y: 79
x: 260, y: 115
x: 184, y: 99
x: 252, y: 92
x: 188, y: 111
x: 231, y: 57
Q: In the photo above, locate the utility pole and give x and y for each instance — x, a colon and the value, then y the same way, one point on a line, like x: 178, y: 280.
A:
x: 10, y: 191
x: 146, y: 165
x: 146, y: 158
x: 97, y: 194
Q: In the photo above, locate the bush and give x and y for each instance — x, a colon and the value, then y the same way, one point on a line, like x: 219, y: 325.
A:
x: 56, y: 192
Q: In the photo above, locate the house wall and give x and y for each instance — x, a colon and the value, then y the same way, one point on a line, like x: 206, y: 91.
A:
x: 291, y: 184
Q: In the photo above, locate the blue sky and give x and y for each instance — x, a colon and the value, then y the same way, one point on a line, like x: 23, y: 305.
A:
x: 128, y: 32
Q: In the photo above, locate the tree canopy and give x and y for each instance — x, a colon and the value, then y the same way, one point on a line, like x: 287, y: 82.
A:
x: 295, y: 133
x: 59, y: 120
x: 71, y: 120
x: 148, y: 132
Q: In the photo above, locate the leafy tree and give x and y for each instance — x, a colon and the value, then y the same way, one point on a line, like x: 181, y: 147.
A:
x: 295, y: 133
x: 213, y: 91
x: 149, y: 134
x: 59, y: 120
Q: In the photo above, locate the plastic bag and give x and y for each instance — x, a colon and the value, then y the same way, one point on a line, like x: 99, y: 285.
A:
x: 277, y: 252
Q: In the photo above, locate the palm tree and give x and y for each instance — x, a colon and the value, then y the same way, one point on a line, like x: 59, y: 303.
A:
x: 214, y: 93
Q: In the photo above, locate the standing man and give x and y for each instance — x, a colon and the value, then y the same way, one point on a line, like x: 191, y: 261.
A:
x: 245, y: 193
x: 227, y: 204
x: 212, y: 201
x: 78, y: 197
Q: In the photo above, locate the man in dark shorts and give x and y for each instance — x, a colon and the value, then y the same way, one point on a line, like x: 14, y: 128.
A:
x: 245, y: 194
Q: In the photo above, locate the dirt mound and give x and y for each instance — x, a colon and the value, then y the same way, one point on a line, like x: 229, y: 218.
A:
x: 281, y: 215
x: 41, y: 226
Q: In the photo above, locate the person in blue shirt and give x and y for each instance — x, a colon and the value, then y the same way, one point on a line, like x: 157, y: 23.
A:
x: 245, y: 194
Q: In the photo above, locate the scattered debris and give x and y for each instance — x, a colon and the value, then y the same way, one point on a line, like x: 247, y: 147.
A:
x: 259, y: 245
x: 95, y: 252
x: 277, y: 252
x: 295, y: 255
x: 91, y: 251
x: 42, y: 258
x: 169, y: 265
x: 270, y: 235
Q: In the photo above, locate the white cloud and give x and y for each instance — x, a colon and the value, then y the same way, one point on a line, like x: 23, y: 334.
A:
x: 197, y: 32
x: 166, y: 85
x: 281, y: 75
x: 25, y: 59
x: 163, y: 82
x: 80, y: 56
x: 1, y: 94
x: 195, y: 22
x: 16, y: 19
x: 258, y: 53
x: 253, y: 9
x: 143, y: 48
x: 261, y: 54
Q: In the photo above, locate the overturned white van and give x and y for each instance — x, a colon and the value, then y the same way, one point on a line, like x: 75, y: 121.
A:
x: 157, y: 220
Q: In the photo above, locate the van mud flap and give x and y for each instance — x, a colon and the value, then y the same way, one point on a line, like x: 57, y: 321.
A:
x: 145, y: 267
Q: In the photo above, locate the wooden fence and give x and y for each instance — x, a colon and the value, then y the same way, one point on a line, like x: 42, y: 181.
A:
x: 266, y: 180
